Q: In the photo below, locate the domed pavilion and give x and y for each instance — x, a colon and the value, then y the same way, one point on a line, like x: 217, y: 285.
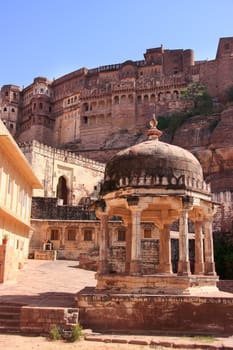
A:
x: 154, y: 182
x: 158, y: 183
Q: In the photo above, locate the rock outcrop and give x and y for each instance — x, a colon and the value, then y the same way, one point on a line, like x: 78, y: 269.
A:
x: 210, y: 139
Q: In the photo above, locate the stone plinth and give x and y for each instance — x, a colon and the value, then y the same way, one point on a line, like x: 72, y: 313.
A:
x: 142, y: 313
x: 157, y: 284
x: 45, y: 254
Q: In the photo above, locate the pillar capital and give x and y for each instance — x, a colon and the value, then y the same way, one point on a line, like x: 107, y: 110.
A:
x: 187, y: 203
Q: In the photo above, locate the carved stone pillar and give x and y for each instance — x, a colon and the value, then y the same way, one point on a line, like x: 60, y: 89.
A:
x: 165, y: 265
x: 135, y: 263
x: 183, y: 263
x: 209, y: 247
x: 128, y: 247
x: 62, y: 238
x: 199, y: 257
x: 103, y: 244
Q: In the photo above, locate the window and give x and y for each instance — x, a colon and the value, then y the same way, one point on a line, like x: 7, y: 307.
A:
x: 85, y: 120
x: 85, y: 107
x: 40, y: 105
x: 116, y: 100
x: 9, y: 188
x: 88, y: 235
x: 4, y: 109
x: 12, y: 110
x: 6, y: 93
x: 121, y: 235
x: 54, y: 235
x: 147, y: 233
x: 71, y: 234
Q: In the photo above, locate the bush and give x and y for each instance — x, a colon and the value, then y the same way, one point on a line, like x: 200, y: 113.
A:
x: 76, y: 333
x: 173, y: 121
x: 55, y: 333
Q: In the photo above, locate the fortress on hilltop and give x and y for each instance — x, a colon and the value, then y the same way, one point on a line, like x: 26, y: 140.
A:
x: 91, y: 114
x: 85, y: 109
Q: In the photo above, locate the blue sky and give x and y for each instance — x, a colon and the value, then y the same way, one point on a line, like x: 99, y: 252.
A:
x: 53, y: 37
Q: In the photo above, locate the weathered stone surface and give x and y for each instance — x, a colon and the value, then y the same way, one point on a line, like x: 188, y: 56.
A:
x: 143, y: 313
x: 213, y: 146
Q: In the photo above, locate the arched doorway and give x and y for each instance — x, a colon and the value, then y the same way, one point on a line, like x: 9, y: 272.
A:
x: 62, y: 190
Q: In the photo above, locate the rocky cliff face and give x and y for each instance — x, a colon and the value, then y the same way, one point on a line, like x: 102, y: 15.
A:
x: 210, y: 139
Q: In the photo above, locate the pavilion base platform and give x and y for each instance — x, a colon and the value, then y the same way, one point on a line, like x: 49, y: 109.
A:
x: 187, y: 305
x: 158, y: 284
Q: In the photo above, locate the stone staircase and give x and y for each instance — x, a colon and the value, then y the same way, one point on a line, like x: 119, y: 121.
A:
x: 10, y: 318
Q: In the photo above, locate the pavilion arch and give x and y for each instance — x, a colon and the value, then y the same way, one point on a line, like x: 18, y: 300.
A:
x: 63, y: 190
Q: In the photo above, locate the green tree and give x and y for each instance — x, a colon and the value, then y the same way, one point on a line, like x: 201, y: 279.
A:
x: 202, y: 101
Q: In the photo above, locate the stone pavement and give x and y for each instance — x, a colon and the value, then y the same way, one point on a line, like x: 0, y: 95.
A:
x: 54, y: 284
x: 47, y: 283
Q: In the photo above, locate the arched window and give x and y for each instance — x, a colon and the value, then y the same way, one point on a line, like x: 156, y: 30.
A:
x: 123, y: 98
x: 116, y: 100
x: 62, y: 190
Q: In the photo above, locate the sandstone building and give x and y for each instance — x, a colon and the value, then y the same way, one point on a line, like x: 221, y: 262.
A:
x: 17, y: 181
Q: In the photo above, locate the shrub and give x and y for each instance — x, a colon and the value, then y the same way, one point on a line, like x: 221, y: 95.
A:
x: 55, y: 333
x: 76, y: 333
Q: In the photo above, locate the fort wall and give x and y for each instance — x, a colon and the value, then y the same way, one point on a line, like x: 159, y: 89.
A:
x: 81, y: 176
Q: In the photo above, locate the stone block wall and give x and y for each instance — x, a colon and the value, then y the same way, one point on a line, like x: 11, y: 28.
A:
x: 156, y: 314
x: 40, y: 320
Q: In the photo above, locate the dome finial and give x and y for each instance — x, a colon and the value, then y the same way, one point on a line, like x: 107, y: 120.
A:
x: 153, y: 133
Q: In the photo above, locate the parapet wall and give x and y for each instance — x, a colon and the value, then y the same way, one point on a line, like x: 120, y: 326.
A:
x: 60, y: 154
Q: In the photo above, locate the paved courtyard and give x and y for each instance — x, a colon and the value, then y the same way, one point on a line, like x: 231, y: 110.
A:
x: 54, y: 283
x: 47, y: 283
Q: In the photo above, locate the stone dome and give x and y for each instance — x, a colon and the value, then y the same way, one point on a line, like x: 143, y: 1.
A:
x: 153, y: 164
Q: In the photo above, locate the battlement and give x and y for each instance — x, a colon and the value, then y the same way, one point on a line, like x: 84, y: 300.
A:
x: 61, y: 154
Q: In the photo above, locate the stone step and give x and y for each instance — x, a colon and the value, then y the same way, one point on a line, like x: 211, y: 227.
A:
x: 9, y: 315
x: 9, y: 330
x: 10, y: 318
x: 9, y: 323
